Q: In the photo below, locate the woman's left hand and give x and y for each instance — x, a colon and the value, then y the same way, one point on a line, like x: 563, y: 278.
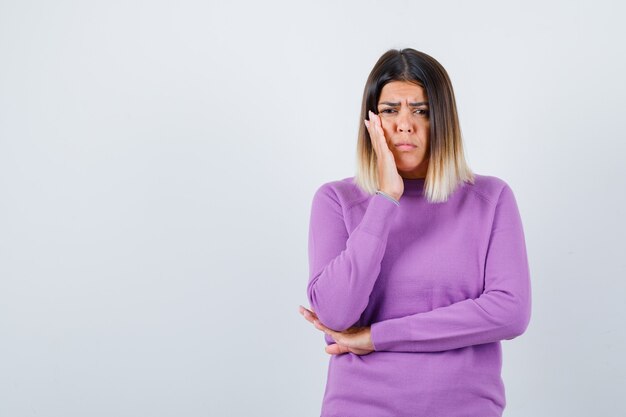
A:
x: 356, y: 340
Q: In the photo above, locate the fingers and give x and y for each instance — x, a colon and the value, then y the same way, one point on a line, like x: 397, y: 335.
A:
x: 336, y: 349
x: 377, y: 134
x: 342, y: 339
x: 312, y: 317
x: 302, y: 308
x: 308, y: 314
x: 319, y: 326
x: 371, y: 128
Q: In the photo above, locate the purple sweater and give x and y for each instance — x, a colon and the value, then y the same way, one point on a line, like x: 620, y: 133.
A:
x: 440, y: 285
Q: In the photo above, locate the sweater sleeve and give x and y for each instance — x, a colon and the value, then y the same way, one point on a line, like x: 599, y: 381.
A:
x: 343, y: 267
x: 502, y: 311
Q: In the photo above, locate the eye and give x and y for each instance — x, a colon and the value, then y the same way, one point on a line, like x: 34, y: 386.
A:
x: 421, y: 112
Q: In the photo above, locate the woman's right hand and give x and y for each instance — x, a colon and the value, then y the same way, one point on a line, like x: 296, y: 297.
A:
x: 389, y: 180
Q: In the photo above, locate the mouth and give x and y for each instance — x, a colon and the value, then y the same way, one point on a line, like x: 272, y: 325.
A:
x: 405, y: 146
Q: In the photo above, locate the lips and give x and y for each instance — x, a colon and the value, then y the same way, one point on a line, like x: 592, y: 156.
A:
x: 405, y: 146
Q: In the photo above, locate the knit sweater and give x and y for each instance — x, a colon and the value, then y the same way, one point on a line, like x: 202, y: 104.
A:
x: 440, y: 284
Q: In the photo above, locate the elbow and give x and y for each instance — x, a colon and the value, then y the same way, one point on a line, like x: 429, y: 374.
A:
x: 333, y: 324
x: 509, y: 312
x: 516, y: 328
x: 331, y: 313
x: 518, y: 321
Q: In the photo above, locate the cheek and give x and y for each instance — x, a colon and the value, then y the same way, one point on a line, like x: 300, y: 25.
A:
x: 387, y: 127
x: 425, y: 132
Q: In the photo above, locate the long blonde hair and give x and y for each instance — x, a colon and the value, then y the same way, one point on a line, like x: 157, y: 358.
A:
x: 447, y: 167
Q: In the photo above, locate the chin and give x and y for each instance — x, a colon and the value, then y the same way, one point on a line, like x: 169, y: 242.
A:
x: 407, y: 166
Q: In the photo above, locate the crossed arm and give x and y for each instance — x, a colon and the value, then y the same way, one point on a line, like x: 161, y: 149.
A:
x: 344, y: 270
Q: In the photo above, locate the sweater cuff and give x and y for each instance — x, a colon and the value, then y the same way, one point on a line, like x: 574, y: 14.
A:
x: 388, y: 196
x: 379, y: 214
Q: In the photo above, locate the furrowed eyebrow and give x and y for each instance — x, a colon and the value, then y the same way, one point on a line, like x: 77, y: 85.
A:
x: 389, y: 103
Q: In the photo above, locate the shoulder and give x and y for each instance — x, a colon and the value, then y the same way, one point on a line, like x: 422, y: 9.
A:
x: 343, y: 192
x: 488, y: 187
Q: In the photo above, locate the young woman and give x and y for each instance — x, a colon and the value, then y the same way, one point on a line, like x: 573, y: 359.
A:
x: 418, y: 267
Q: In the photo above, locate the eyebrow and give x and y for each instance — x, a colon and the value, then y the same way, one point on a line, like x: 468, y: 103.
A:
x: 389, y: 103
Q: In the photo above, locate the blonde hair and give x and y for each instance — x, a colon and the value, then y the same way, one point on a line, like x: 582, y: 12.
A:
x: 447, y: 167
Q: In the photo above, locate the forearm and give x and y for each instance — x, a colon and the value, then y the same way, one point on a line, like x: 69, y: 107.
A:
x: 502, y: 311
x: 344, y: 269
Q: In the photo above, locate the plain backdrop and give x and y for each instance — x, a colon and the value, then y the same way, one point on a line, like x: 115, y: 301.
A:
x: 158, y: 161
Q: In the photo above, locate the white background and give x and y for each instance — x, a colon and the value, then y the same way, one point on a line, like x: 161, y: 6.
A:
x: 157, y: 164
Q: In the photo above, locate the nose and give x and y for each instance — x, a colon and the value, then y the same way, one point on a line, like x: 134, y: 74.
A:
x: 404, y: 122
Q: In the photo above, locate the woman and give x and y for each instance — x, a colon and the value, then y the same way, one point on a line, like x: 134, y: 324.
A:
x: 418, y: 267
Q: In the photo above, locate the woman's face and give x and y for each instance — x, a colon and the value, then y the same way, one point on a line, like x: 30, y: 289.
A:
x: 403, y: 110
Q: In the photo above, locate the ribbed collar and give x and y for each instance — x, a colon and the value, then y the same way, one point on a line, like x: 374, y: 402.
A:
x: 413, y: 186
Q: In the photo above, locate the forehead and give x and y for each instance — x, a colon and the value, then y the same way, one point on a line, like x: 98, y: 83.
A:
x: 402, y: 91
